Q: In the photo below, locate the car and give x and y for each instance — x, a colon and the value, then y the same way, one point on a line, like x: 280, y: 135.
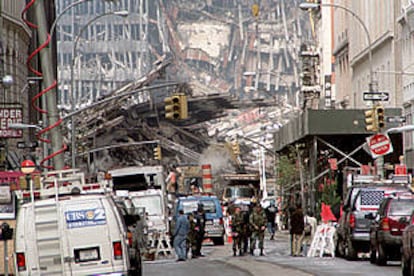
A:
x: 407, y: 248
x: 214, y: 214
x: 353, y: 227
x: 387, y: 226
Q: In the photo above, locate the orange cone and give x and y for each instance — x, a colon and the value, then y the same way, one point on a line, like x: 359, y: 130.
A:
x: 229, y: 239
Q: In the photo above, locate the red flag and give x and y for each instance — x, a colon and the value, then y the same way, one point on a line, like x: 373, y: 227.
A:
x: 326, y: 213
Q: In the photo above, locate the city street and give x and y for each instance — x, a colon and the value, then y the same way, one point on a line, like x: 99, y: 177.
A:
x: 219, y: 261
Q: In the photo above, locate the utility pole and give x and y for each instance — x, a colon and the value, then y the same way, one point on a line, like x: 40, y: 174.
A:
x: 49, y: 79
x: 302, y: 184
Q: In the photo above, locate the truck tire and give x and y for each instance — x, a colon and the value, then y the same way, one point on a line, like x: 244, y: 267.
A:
x: 218, y: 241
x: 350, y: 252
x: 381, y: 256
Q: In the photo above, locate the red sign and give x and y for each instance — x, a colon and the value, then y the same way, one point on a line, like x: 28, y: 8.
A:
x: 400, y: 169
x: 333, y: 163
x: 379, y: 144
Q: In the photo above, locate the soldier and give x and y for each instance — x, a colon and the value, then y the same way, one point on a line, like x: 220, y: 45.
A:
x: 246, y: 232
x: 237, y: 231
x: 200, y: 229
x: 192, y: 236
x: 257, y: 221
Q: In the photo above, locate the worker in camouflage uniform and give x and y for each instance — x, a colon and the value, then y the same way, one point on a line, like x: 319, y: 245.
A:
x: 237, y: 231
x: 246, y: 232
x: 257, y: 222
x: 191, y: 237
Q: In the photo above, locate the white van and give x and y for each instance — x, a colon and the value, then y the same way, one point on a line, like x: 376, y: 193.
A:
x: 71, y: 234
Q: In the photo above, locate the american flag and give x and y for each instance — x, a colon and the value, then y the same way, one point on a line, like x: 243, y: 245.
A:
x: 371, y: 197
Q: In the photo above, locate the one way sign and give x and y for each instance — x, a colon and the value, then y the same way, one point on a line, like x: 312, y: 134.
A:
x: 376, y: 96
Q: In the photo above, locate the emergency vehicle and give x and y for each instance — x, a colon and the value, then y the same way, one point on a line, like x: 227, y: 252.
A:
x: 144, y: 187
x: 65, y: 226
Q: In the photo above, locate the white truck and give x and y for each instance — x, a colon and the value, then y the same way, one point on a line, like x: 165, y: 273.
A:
x: 143, y: 187
x: 69, y: 227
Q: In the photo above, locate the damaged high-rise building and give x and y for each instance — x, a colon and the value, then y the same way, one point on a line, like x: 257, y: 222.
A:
x: 99, y: 50
x: 216, y: 47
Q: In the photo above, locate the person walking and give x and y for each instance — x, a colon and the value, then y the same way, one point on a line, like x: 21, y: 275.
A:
x: 182, y: 227
x: 297, y: 225
x: 310, y: 228
x: 258, y: 225
x: 271, y: 212
x: 245, y: 229
x: 200, y: 230
x: 237, y: 231
x: 192, y: 236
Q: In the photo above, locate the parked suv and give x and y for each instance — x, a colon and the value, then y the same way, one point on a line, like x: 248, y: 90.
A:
x: 214, y: 215
x: 407, y: 250
x: 387, y: 226
x: 354, y: 228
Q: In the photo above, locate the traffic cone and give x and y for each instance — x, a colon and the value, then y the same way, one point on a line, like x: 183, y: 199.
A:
x: 229, y: 239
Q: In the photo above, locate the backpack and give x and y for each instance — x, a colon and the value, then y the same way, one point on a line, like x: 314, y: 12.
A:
x: 308, y: 227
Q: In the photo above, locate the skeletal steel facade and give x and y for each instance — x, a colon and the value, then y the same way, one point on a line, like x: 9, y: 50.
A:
x: 110, y: 51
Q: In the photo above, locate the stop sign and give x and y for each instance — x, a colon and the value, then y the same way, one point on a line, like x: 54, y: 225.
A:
x: 379, y: 144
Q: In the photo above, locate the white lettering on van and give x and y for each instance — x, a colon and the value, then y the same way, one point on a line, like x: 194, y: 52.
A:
x: 84, y: 218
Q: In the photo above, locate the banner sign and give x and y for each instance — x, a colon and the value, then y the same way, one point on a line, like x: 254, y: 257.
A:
x: 10, y: 115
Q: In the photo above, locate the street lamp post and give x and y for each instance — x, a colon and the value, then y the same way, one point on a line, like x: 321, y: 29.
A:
x: 74, y: 97
x: 315, y: 6
x: 28, y: 167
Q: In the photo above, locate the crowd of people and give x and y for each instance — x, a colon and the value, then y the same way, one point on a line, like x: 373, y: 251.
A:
x: 189, y: 234
x: 248, y: 227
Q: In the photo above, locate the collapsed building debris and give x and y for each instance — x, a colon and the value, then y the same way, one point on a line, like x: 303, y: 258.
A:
x: 218, y: 48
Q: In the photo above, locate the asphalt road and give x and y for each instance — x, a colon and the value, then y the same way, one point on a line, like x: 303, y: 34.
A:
x: 219, y: 261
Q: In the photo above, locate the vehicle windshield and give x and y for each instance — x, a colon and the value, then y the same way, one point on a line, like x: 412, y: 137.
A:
x: 239, y: 192
x: 402, y: 207
x: 152, y: 204
x: 191, y: 206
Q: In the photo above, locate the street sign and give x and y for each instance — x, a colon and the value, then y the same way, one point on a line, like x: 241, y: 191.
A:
x: 23, y: 145
x: 379, y: 144
x: 395, y: 119
x: 376, y: 96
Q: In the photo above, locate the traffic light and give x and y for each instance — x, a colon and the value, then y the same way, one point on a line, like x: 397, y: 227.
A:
x: 371, y: 123
x: 157, y: 153
x: 380, y: 114
x: 236, y: 148
x: 255, y: 10
x: 6, y: 232
x: 176, y: 107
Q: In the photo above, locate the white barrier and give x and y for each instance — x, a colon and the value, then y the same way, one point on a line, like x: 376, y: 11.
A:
x: 323, y: 242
